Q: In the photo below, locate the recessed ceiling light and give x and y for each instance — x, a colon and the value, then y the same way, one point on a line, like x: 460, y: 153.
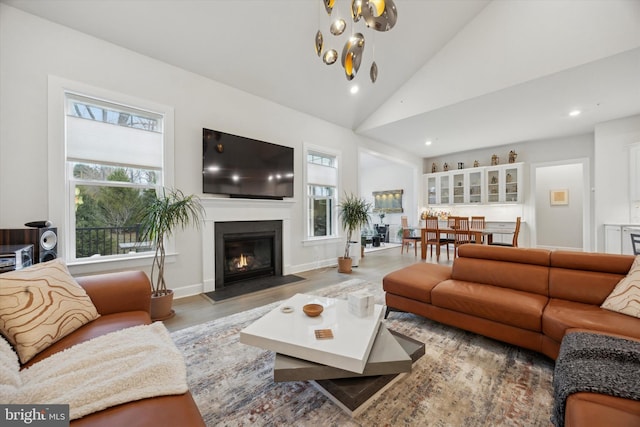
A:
x: 575, y: 113
x: 354, y: 89
x: 427, y: 143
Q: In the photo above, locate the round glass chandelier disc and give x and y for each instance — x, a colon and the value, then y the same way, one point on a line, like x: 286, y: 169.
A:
x: 330, y: 56
x: 338, y: 27
x: 319, y: 43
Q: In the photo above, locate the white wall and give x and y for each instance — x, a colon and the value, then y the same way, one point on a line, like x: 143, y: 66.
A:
x: 31, y: 49
x: 612, y: 201
x: 379, y: 173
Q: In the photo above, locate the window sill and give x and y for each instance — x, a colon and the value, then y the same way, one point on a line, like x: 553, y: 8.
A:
x: 321, y: 241
x: 103, y: 264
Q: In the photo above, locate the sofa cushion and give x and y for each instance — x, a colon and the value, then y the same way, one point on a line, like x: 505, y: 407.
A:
x: 561, y: 315
x: 591, y: 261
x: 507, y: 254
x: 522, y: 277
x: 625, y: 297
x: 416, y: 281
x: 588, y: 287
x: 41, y: 304
x: 516, y: 268
x: 503, y: 305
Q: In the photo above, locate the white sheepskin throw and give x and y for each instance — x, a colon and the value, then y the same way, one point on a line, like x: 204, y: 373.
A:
x: 119, y: 367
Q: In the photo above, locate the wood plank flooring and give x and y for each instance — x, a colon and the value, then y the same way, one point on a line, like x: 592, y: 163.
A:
x: 373, y: 267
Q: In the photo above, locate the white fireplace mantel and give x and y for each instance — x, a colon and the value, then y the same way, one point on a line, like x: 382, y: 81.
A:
x: 227, y: 209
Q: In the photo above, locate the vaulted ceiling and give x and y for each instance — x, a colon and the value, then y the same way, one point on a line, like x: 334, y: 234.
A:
x: 463, y: 74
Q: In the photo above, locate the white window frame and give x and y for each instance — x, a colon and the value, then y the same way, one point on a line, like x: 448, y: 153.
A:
x: 60, y: 197
x: 337, y: 155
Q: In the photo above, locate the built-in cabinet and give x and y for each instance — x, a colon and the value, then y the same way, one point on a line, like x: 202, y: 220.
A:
x: 617, y: 238
x: 489, y: 184
x: 503, y: 183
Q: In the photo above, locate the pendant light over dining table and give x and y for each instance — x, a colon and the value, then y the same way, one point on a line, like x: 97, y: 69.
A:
x: 378, y: 15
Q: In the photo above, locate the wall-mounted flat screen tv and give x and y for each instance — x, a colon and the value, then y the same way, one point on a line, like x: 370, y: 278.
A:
x: 243, y: 167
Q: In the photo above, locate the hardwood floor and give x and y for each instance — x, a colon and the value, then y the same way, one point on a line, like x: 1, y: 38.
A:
x: 373, y: 267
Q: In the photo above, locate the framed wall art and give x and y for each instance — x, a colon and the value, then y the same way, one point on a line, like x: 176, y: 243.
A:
x: 559, y: 197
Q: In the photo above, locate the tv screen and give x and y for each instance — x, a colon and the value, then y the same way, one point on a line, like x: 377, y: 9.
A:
x: 245, y: 167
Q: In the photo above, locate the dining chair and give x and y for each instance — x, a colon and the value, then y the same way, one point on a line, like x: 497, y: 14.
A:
x: 477, y: 223
x: 462, y: 235
x: 434, y: 238
x: 451, y: 224
x: 635, y: 241
x: 514, y: 242
x: 407, y: 236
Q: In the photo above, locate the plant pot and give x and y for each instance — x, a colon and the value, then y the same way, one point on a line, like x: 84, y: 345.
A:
x: 344, y: 265
x: 161, y: 306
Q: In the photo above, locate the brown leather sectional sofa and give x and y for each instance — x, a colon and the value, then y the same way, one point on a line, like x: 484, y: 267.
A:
x: 526, y: 297
x: 123, y: 300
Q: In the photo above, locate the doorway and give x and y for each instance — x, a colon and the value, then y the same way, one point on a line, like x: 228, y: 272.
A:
x: 562, y: 203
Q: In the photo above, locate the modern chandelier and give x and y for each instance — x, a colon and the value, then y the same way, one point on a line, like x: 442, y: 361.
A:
x: 379, y: 15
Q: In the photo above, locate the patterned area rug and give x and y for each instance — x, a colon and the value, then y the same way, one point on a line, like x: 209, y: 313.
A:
x: 463, y: 379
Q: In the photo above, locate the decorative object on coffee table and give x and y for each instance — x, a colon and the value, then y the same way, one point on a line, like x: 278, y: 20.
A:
x: 312, y: 310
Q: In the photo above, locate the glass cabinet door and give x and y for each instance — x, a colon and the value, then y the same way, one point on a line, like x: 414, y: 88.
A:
x: 475, y: 187
x: 511, y: 185
x: 444, y: 189
x: 431, y: 190
x: 458, y: 188
x: 493, y: 186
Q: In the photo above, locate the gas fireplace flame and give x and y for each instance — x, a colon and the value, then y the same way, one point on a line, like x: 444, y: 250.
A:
x: 242, y: 263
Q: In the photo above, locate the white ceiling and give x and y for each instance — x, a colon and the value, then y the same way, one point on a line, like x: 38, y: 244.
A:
x: 465, y: 74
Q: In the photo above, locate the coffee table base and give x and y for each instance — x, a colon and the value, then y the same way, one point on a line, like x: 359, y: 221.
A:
x: 354, y: 395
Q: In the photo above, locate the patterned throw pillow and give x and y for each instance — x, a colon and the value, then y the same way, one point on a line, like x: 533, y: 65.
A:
x: 625, y: 297
x: 41, y: 304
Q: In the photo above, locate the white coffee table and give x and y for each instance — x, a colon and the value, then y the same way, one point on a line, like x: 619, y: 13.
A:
x: 293, y: 333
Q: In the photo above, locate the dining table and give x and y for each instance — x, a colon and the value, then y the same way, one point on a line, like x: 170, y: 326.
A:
x: 484, y: 235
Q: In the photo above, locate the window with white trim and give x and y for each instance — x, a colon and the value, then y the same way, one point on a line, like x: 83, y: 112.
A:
x: 322, y: 181
x: 114, y: 165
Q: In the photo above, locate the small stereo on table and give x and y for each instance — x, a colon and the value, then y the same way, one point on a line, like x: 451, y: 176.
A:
x: 15, y: 257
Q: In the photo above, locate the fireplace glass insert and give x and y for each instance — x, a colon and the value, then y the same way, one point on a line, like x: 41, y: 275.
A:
x: 248, y: 257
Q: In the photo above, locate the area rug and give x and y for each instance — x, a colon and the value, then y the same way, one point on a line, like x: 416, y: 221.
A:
x: 463, y: 379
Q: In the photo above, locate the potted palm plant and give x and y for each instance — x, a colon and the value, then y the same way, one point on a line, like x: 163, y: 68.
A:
x: 353, y: 213
x: 167, y: 211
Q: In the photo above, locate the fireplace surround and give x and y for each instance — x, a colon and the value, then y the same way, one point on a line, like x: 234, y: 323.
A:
x: 241, y: 210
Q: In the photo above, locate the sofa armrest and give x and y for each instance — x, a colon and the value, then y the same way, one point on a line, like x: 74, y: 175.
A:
x: 118, y: 292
